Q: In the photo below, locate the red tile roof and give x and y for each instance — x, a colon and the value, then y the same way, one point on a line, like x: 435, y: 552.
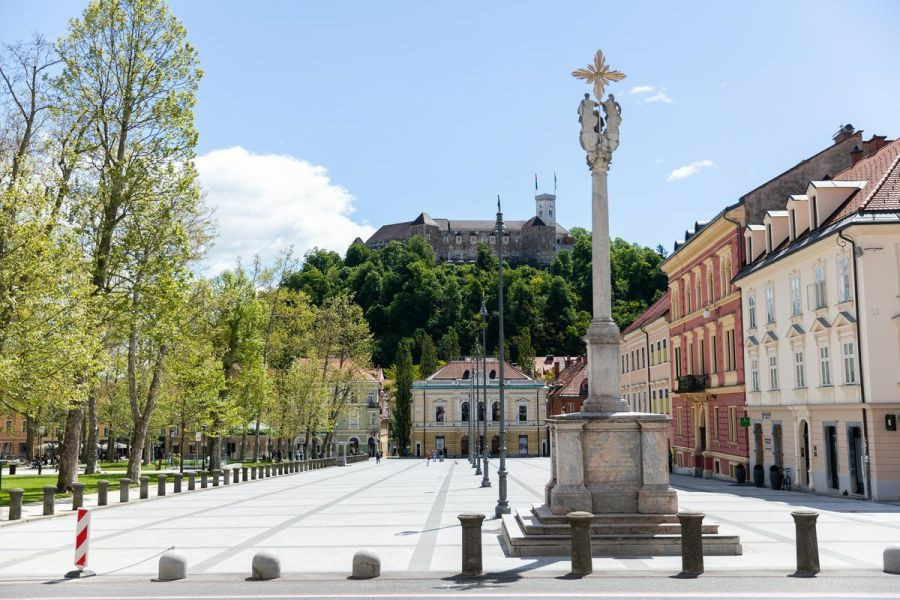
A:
x: 569, y: 381
x: 881, y: 172
x: 656, y: 310
x: 456, y: 368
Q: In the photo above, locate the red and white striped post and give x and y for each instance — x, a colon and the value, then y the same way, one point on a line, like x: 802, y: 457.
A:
x: 82, y: 544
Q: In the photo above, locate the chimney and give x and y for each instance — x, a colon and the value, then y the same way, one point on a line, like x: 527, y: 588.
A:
x: 857, y: 155
x: 555, y: 369
x: 875, y: 144
x: 844, y: 133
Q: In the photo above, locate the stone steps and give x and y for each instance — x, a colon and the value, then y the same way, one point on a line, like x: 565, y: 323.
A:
x: 628, y: 525
x: 516, y: 541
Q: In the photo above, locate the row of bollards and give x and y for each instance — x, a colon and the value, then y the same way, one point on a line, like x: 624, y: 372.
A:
x: 691, y: 543
x: 226, y: 476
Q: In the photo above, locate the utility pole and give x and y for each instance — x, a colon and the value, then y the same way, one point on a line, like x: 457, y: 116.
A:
x: 502, y: 503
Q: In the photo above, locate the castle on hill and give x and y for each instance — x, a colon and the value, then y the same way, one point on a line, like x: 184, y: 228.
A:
x: 535, y: 241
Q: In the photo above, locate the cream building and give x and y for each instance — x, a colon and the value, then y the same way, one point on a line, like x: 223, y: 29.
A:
x: 441, y: 410
x: 644, y: 370
x: 821, y: 320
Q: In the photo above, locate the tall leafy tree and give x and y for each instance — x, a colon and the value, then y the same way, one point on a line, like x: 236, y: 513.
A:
x: 428, y: 363
x: 401, y: 415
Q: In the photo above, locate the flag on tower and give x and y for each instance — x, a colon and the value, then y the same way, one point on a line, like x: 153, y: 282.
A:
x: 535, y: 182
x: 554, y: 182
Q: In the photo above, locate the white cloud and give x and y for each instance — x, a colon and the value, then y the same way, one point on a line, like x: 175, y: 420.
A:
x: 266, y: 202
x: 651, y: 93
x: 691, y: 169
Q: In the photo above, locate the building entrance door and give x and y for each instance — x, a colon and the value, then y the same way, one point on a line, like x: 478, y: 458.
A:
x: 857, y: 470
x: 777, y: 452
x: 831, y: 456
x: 464, y: 446
x: 495, y: 445
x: 804, y: 453
x: 758, y: 444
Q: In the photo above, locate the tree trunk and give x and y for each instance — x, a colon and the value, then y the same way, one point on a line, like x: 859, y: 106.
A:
x: 181, y: 450
x: 90, y: 453
x: 148, y: 449
x: 110, y: 445
x: 30, y: 428
x: 82, y: 454
x: 243, y: 444
x: 215, y: 453
x: 326, y: 445
x: 68, y: 450
x: 138, y: 439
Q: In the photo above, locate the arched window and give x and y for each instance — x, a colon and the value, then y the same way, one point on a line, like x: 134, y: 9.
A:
x: 464, y: 411
x: 439, y: 413
x: 495, y: 411
x: 481, y: 411
x: 583, y: 390
x: 466, y: 374
x: 493, y: 374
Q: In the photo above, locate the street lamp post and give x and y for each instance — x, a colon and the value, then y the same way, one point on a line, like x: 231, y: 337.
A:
x: 485, y: 480
x: 477, y: 414
x: 471, y: 429
x: 502, y: 503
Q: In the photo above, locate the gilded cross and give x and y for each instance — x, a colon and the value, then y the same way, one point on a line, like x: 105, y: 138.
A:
x: 599, y: 74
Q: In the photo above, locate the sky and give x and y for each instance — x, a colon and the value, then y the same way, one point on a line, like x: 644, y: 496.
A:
x: 320, y: 121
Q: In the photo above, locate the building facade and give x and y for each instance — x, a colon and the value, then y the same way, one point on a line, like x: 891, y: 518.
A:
x: 645, y: 373
x: 822, y: 330
x: 535, y: 241
x: 441, y: 410
x: 569, y: 389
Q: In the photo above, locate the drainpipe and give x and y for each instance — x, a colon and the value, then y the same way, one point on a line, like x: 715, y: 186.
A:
x: 647, y: 359
x: 859, y: 352
x: 740, y: 244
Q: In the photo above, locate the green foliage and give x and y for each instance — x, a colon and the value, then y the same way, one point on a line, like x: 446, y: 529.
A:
x: 523, y: 352
x: 428, y: 361
x: 401, y: 414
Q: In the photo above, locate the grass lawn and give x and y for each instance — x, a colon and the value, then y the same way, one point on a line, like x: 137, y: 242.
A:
x: 33, y: 486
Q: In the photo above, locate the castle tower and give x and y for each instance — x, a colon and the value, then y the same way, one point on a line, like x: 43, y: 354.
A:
x: 545, y: 208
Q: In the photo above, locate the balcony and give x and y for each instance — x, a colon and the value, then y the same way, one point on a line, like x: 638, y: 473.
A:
x: 693, y: 383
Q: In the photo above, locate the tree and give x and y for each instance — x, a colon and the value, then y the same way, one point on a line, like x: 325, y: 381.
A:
x: 130, y: 74
x: 449, y: 346
x: 523, y: 352
x: 428, y: 363
x: 401, y: 415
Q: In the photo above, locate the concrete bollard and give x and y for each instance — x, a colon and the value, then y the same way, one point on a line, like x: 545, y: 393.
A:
x: 176, y: 489
x: 15, y: 503
x: 237, y: 474
x: 161, y: 484
x: 192, y: 481
x: 204, y: 479
x: 268, y: 470
x: 691, y: 543
x: 172, y: 566
x: 580, y: 527
x: 215, y: 477
x: 807, y: 542
x: 253, y: 472
x: 366, y: 564
x: 145, y: 487
x: 123, y: 489
x: 471, y: 543
x: 49, y: 490
x: 890, y: 556
x: 77, y: 495
x: 245, y: 471
x: 226, y: 476
x: 265, y: 566
x: 102, y: 492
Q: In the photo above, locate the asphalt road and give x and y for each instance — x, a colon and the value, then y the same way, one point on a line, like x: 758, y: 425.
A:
x: 739, y: 585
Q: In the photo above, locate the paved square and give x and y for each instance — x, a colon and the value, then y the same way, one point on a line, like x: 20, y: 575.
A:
x: 406, y: 511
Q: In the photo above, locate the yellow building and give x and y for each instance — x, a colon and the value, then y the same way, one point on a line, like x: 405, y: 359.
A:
x: 441, y: 410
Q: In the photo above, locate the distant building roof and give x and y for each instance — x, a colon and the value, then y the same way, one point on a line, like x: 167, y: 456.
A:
x: 658, y: 309
x: 569, y: 382
x: 456, y: 369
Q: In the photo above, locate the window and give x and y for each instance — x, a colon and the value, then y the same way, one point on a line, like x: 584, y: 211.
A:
x: 464, y: 411
x: 795, y: 295
x: 715, y: 423
x: 439, y: 413
x: 751, y: 310
x: 373, y: 420
x: 523, y: 445
x: 495, y: 411
x: 465, y: 374
x: 819, y: 287
x: 843, y: 279
x: 732, y: 424
x: 702, y: 362
x: 506, y: 240
x: 770, y: 304
x: 354, y: 418
x: 665, y: 351
x: 623, y: 364
x: 678, y: 361
x: 773, y: 372
x: 754, y: 375
x: 730, y: 359
x: 709, y: 283
x: 849, y: 362
x: 799, y: 370
x: 726, y: 276
x: 713, y: 359
x: 493, y: 239
x: 687, y: 298
x: 458, y: 240
x: 698, y: 299
x: 679, y: 425
x: 523, y: 413
x: 824, y: 366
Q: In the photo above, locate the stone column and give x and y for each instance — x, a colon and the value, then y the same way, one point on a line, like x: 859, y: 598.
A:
x: 145, y: 487
x: 161, y: 484
x: 123, y: 489
x: 582, y: 557
x: 807, y: 542
x: 102, y: 492
x: 49, y: 506
x: 177, y: 488
x: 691, y: 543
x: 471, y: 543
x: 77, y: 495
x: 15, y: 503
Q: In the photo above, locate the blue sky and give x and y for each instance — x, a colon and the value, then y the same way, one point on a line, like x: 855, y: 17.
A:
x: 380, y: 110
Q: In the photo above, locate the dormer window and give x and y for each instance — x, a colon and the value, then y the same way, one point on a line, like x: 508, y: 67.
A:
x: 466, y: 374
x: 493, y: 374
x: 792, y: 220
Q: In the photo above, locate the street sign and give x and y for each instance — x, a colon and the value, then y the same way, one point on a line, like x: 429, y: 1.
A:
x: 745, y: 421
x: 198, y: 436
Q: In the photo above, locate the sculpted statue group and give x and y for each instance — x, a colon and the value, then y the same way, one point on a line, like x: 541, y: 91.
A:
x: 599, y: 143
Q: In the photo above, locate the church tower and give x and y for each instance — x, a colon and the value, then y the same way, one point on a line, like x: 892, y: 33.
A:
x: 545, y: 208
